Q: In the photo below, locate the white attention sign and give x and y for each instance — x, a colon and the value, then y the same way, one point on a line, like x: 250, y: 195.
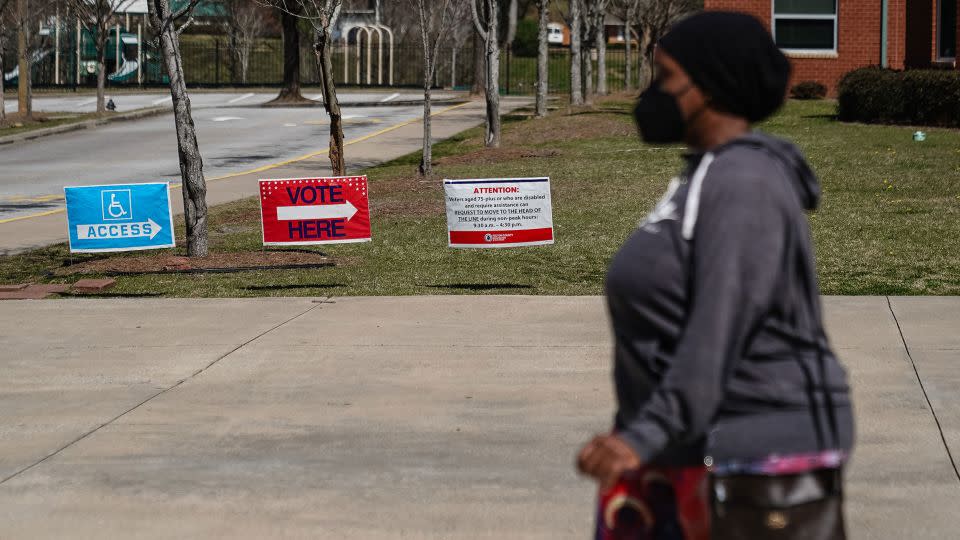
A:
x: 496, y: 213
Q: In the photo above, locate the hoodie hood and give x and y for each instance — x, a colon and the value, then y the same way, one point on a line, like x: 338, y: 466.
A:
x: 805, y: 181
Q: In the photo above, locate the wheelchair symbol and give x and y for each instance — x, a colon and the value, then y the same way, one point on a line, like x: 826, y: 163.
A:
x: 115, y: 209
x: 116, y: 205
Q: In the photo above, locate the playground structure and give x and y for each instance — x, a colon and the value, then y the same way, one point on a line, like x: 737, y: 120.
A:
x: 367, y: 30
x: 67, y: 55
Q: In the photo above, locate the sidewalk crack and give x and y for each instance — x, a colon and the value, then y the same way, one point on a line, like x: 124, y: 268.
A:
x: 926, y: 397
x: 156, y: 395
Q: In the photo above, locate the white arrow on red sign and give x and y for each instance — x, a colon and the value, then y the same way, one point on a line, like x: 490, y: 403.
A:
x: 327, y: 211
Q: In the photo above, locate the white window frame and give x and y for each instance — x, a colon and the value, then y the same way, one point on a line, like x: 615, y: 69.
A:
x: 939, y: 32
x: 813, y: 16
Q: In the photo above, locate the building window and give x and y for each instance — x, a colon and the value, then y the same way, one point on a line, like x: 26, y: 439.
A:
x: 946, y: 29
x: 805, y: 25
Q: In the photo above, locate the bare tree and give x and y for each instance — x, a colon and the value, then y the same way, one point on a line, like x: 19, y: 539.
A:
x: 167, y: 24
x: 24, y: 90
x: 595, y: 42
x: 574, y: 20
x: 96, y: 16
x: 511, y: 33
x: 479, y: 87
x: 402, y: 20
x: 435, y: 18
x: 655, y: 17
x: 4, y: 4
x: 626, y: 10
x: 322, y: 15
x: 543, y: 56
x: 599, y: 18
x: 290, y: 28
x: 486, y: 20
x: 243, y: 24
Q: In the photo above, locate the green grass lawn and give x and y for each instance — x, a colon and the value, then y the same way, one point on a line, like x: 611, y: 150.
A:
x: 47, y: 120
x: 888, y: 225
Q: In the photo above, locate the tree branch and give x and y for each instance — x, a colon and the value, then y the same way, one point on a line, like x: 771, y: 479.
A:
x: 476, y: 20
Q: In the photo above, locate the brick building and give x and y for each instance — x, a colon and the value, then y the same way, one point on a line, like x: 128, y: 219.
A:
x: 826, y: 38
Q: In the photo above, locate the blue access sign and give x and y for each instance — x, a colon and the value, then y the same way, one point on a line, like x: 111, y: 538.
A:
x: 120, y: 217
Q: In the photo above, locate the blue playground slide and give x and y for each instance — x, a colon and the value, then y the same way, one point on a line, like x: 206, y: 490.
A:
x: 10, y: 78
x: 126, y: 73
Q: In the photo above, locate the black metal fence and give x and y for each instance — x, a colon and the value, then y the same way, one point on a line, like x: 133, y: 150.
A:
x: 210, y: 61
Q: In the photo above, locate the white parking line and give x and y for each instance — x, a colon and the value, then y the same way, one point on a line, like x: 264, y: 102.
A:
x: 159, y: 101
x: 241, y: 98
x: 391, y: 97
x: 225, y: 118
x: 318, y: 97
x: 87, y: 102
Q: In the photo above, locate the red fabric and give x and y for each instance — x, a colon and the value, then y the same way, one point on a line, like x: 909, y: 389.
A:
x: 656, y: 503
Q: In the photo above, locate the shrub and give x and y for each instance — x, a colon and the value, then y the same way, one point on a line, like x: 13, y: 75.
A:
x: 808, y: 90
x: 525, y: 43
x: 921, y: 97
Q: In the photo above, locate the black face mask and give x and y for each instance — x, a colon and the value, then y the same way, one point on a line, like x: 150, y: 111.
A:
x: 658, y: 116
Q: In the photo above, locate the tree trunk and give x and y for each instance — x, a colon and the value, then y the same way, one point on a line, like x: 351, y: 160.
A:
x: 479, y: 66
x: 628, y: 50
x: 24, y: 101
x: 543, y: 57
x: 426, y: 158
x: 493, y: 78
x: 645, y: 50
x: 576, y: 57
x: 601, y: 38
x: 101, y: 71
x: 291, y: 58
x: 3, y: 99
x: 194, y: 185
x: 511, y: 24
x: 426, y: 161
x: 245, y: 51
x: 322, y: 47
x: 588, y: 76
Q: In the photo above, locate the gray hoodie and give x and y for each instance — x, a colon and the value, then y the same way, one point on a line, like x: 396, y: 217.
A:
x: 720, y: 347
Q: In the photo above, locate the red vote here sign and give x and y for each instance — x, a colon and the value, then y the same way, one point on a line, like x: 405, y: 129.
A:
x: 304, y: 211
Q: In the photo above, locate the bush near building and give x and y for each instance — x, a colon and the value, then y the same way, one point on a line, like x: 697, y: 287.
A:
x: 808, y: 90
x: 926, y: 97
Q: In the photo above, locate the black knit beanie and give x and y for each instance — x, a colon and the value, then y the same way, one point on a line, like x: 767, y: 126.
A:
x: 732, y: 58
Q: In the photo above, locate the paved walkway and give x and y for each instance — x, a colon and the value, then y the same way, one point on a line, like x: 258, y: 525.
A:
x: 451, y: 417
x: 370, y: 147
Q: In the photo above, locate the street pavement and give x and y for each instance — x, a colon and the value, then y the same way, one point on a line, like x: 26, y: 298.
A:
x: 127, y: 101
x: 452, y: 417
x: 239, y: 146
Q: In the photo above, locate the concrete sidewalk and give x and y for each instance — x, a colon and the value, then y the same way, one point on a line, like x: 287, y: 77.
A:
x: 416, y: 417
x: 381, y: 146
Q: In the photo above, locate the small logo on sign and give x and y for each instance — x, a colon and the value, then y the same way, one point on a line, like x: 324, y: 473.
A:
x: 488, y: 237
x: 116, y: 205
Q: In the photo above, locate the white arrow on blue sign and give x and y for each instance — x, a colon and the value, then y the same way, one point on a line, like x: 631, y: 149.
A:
x: 119, y: 217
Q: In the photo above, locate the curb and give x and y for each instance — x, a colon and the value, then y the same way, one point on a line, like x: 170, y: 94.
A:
x: 36, y: 134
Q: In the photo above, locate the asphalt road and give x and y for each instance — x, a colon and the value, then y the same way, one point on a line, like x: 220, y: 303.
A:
x: 232, y: 139
x: 86, y: 102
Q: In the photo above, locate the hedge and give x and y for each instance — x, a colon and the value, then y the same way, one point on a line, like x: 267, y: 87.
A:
x: 927, y: 97
x: 808, y: 90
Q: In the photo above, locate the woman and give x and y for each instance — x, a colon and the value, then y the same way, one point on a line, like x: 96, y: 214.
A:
x: 721, y: 358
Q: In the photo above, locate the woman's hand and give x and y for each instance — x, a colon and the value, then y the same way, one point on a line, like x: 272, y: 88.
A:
x: 606, y: 458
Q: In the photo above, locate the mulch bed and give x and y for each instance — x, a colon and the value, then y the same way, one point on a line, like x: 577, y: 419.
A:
x: 215, y: 262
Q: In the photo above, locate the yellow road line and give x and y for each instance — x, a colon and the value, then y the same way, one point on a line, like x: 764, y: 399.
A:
x: 41, y: 214
x: 264, y: 167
